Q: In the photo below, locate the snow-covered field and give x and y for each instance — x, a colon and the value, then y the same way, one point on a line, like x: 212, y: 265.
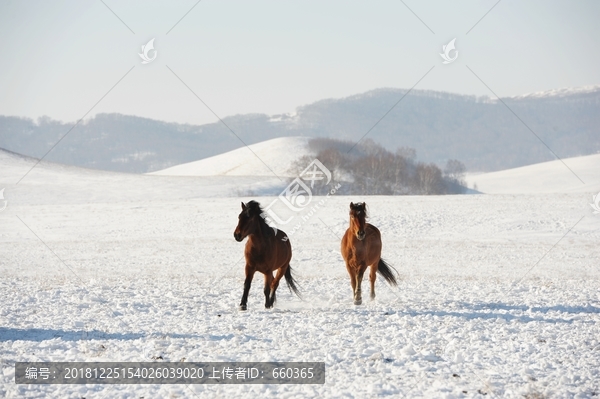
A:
x: 499, y: 295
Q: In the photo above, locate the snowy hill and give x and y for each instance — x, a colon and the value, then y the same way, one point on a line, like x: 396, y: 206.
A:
x: 268, y: 158
x: 52, y: 183
x: 542, y: 178
x: 561, y: 92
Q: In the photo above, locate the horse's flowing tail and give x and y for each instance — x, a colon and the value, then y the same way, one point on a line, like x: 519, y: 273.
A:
x: 386, y: 272
x: 289, y: 279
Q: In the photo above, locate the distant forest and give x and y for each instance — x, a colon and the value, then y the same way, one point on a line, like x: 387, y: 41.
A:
x: 370, y: 169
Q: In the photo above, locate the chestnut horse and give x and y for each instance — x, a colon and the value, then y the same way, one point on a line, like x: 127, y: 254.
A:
x: 267, y: 250
x: 361, y: 247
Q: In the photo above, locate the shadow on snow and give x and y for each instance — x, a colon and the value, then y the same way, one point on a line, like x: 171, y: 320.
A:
x: 42, y: 334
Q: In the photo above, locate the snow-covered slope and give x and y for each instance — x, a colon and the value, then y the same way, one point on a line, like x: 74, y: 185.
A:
x: 562, y: 92
x: 541, y: 178
x: 270, y: 158
x: 52, y: 183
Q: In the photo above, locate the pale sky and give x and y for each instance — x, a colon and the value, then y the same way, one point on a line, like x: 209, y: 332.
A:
x: 59, y: 58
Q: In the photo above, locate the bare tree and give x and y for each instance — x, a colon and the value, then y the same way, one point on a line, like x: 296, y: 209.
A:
x: 370, y: 169
x: 455, y: 169
x: 430, y: 179
x: 454, y: 173
x: 407, y: 152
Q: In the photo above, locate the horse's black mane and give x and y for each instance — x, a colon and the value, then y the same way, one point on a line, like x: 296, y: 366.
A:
x: 254, y: 208
x: 360, y: 206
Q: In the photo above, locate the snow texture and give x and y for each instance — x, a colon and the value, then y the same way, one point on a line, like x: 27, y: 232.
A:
x: 498, y: 296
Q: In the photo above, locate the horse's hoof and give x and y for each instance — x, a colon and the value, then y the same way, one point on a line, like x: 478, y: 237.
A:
x: 358, y: 301
x: 243, y: 307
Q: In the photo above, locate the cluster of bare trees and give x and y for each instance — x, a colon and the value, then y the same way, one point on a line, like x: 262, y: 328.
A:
x: 370, y: 169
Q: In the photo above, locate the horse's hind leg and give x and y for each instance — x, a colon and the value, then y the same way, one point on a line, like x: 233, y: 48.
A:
x: 275, y: 283
x: 247, y: 283
x: 372, y: 277
x: 267, y: 290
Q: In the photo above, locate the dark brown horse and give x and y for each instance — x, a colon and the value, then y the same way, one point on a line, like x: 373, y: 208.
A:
x: 361, y: 248
x: 267, y: 250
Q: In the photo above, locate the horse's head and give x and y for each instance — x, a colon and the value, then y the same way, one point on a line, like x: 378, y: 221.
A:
x: 358, y: 216
x: 247, y: 220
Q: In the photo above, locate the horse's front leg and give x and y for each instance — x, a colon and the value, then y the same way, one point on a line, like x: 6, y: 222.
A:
x: 358, y: 291
x: 249, y: 275
x: 352, y: 274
